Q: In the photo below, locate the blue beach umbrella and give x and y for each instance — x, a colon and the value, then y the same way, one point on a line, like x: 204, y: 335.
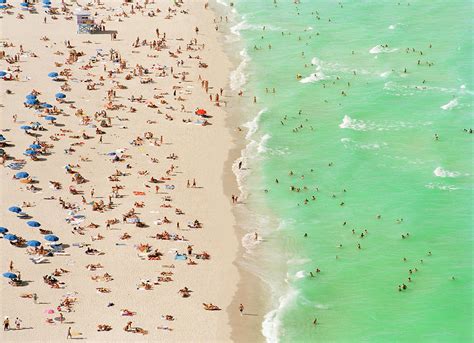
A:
x: 26, y: 127
x: 10, y: 237
x: 22, y: 175
x: 50, y: 118
x: 3, y: 229
x: 24, y: 4
x: 53, y: 74
x: 60, y: 95
x: 9, y: 275
x: 2, y: 138
x: 33, y: 243
x: 45, y: 105
x: 33, y: 223
x: 3, y: 1
x: 35, y: 146
x: 31, y: 101
x: 31, y: 96
x: 14, y: 209
x: 2, y: 7
x: 3, y: 73
x: 51, y: 238
x: 30, y: 153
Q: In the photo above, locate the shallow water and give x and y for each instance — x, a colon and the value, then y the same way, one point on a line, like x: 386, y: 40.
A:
x: 378, y: 144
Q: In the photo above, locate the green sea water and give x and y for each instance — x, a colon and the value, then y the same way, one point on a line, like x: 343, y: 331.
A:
x: 370, y: 158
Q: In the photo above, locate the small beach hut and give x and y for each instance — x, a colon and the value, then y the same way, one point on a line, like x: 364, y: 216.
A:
x: 84, y: 20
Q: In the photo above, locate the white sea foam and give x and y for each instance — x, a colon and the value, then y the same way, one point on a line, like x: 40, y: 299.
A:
x: 440, y: 172
x: 300, y: 274
x: 349, y: 143
x: 392, y: 27
x: 317, y: 75
x: 441, y: 187
x: 378, y: 49
x: 272, y: 320
x: 252, y: 125
x: 262, y: 144
x: 244, y: 25
x: 238, y: 77
x: 385, y: 73
x: 249, y: 242
x: 354, y: 124
x: 450, y: 105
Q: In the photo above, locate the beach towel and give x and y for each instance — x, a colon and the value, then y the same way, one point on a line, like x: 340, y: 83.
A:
x: 180, y: 257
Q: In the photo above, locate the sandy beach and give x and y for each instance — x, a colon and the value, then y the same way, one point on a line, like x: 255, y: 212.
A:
x: 128, y: 181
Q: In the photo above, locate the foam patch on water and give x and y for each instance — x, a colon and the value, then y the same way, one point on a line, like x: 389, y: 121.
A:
x: 252, y: 125
x: 272, y: 320
x: 244, y: 25
x: 351, y: 144
x: 360, y: 125
x: 318, y: 75
x: 380, y: 49
x: 450, y: 105
x: 441, y: 187
x: 238, y: 77
x: 354, y: 124
x: 440, y: 172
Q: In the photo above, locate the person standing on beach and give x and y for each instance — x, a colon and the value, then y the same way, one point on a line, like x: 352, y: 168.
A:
x: 241, y: 309
x: 18, y: 323
x: 35, y: 298
x: 69, y: 334
x: 6, y: 324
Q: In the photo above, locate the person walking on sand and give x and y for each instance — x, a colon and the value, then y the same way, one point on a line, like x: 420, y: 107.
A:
x: 69, y: 334
x: 18, y: 323
x: 35, y: 298
x: 241, y: 309
x: 11, y: 266
x: 6, y: 324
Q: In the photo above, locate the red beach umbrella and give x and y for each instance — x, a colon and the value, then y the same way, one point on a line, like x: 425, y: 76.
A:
x: 201, y: 112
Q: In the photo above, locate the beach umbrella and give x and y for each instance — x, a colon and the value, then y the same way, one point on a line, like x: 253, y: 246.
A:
x: 50, y: 311
x: 2, y: 152
x: 33, y: 243
x: 45, y: 105
x: 30, y: 152
x: 31, y: 101
x: 25, y: 127
x: 35, y: 146
x: 2, y: 7
x: 3, y: 73
x: 51, y: 238
x: 33, y: 223
x: 9, y: 275
x: 50, y: 118
x: 10, y: 237
x: 3, y: 229
x: 200, y: 111
x: 53, y: 74
x: 22, y: 175
x: 31, y: 96
x: 14, y: 209
x: 24, y: 4
x: 2, y: 138
x: 60, y: 95
x: 3, y: 1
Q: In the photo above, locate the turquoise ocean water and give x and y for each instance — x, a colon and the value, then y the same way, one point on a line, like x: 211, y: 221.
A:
x: 379, y: 81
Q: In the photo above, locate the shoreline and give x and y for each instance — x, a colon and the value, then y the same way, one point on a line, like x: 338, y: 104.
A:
x: 249, y: 287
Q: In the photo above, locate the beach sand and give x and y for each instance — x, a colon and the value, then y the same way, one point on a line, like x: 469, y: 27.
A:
x: 203, y: 155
